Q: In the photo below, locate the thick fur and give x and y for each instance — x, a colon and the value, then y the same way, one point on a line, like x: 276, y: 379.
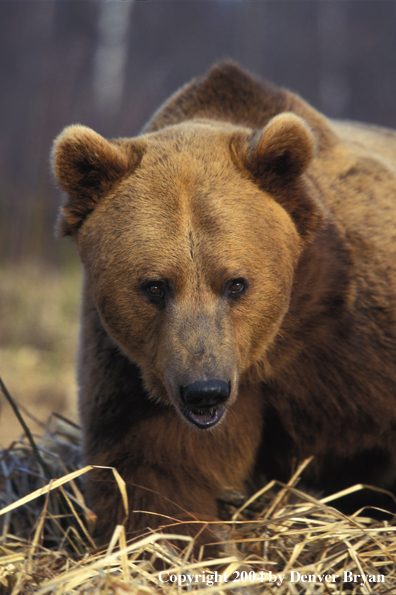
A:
x: 233, y: 178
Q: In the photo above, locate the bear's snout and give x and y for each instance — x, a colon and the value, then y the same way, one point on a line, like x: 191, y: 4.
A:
x: 205, y: 393
x: 203, y: 401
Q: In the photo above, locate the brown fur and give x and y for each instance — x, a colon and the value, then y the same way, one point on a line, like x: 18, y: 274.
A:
x: 232, y: 179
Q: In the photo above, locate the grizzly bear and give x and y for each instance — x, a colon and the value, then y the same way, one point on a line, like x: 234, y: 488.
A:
x: 239, y: 300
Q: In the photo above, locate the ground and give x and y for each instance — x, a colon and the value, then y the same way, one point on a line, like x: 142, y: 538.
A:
x: 38, y: 330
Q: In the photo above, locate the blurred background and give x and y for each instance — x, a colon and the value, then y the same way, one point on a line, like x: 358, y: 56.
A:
x: 109, y: 65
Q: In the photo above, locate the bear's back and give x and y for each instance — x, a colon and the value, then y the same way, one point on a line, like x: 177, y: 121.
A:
x: 379, y: 141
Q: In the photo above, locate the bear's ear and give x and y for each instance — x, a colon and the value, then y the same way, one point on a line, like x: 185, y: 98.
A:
x: 87, y: 166
x: 281, y: 151
x: 275, y: 157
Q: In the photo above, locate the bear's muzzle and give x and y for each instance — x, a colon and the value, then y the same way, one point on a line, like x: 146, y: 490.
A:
x: 203, y: 399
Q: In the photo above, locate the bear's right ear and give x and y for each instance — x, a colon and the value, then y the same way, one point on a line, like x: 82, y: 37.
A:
x: 87, y: 166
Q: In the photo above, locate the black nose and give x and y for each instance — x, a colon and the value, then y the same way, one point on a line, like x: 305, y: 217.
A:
x: 205, y: 393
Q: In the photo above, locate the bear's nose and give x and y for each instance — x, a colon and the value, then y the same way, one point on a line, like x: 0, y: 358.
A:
x: 205, y: 393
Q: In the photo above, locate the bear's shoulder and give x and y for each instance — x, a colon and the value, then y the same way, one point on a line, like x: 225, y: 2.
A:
x: 227, y: 93
x: 381, y: 142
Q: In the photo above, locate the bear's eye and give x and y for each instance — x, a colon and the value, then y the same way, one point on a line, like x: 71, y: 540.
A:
x: 158, y: 291
x: 155, y: 291
x: 236, y: 287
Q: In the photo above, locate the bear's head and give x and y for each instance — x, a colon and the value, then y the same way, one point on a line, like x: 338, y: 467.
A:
x: 190, y: 237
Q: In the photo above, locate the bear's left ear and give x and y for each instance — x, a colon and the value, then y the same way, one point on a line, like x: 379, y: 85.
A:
x: 275, y: 157
x: 281, y: 151
x: 87, y: 166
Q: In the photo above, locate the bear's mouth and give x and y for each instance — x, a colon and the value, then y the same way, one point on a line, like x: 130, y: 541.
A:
x: 205, y: 417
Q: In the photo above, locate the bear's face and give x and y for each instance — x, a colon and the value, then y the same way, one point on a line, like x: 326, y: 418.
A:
x: 189, y: 257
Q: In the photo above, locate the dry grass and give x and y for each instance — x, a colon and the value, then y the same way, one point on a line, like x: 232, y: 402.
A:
x: 46, y: 546
x: 39, y: 308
